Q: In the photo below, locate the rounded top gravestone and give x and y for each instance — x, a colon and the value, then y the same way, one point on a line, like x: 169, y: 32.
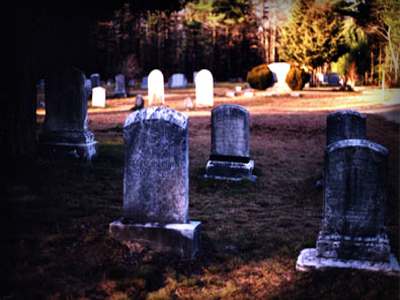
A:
x: 354, y: 195
x: 155, y: 87
x: 230, y: 131
x: 156, y: 177
x: 204, y: 88
x: 345, y: 124
x: 66, y: 101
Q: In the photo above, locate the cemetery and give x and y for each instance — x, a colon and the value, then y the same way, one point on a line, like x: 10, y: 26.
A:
x: 210, y: 173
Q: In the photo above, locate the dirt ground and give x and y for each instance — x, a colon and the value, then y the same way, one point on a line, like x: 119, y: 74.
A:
x: 252, y: 233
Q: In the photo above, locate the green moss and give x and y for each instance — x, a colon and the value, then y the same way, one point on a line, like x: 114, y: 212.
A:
x: 260, y: 77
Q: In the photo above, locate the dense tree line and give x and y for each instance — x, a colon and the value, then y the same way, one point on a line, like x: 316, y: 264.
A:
x: 217, y: 35
x: 361, y: 37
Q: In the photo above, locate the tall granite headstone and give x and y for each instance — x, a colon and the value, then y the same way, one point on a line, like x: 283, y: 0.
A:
x: 204, y: 89
x: 65, y: 131
x: 345, y: 124
x: 155, y: 88
x: 352, y: 233
x: 230, y: 148
x: 120, y: 89
x: 95, y: 80
x: 156, y: 183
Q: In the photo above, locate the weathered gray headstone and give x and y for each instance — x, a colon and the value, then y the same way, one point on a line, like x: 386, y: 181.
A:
x: 230, y: 148
x: 143, y: 84
x: 345, y: 124
x: 352, y: 233
x: 120, y: 90
x: 156, y: 182
x: 95, y: 80
x: 65, y: 130
x: 177, y: 80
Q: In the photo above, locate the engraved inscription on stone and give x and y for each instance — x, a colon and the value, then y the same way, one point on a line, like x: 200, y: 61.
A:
x: 156, y: 166
x: 230, y: 131
x: 354, y: 193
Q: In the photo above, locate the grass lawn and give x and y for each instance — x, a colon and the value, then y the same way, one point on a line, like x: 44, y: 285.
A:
x: 252, y: 233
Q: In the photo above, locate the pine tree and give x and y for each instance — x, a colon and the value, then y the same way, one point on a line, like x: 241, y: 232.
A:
x: 313, y: 35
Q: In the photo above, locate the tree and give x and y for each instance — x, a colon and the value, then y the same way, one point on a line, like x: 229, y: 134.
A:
x: 380, y: 22
x: 313, y: 35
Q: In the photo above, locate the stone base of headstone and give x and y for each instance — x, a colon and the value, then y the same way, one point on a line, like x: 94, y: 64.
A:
x: 181, y: 239
x: 308, y: 260
x: 361, y: 248
x: 230, y: 170
x: 68, y: 144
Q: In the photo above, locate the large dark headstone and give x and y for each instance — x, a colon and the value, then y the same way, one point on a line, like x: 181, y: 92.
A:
x: 65, y: 131
x: 346, y: 124
x: 156, y: 182
x: 352, y: 233
x: 230, y: 150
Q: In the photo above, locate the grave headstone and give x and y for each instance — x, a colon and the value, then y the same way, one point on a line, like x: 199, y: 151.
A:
x: 156, y: 183
x: 65, y: 130
x: 139, y: 103
x: 345, y: 124
x: 279, y: 71
x: 95, y: 80
x: 352, y: 232
x: 177, y: 80
x: 120, y: 90
x: 143, y: 84
x: 230, y: 148
x: 99, y: 97
x: 188, y: 103
x: 155, y: 88
x: 204, y: 83
x: 248, y: 93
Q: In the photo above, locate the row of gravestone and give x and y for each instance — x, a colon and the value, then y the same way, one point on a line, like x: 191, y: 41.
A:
x: 204, y: 87
x: 156, y: 187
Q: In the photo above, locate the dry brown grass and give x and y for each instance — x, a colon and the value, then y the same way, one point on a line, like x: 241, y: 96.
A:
x: 252, y: 233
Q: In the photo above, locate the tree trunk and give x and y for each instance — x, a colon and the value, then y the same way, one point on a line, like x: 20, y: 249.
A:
x: 19, y: 138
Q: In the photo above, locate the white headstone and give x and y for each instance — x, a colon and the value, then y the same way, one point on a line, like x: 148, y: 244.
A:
x: 99, y: 97
x: 155, y: 88
x: 204, y: 88
x: 188, y: 103
x: 177, y: 80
